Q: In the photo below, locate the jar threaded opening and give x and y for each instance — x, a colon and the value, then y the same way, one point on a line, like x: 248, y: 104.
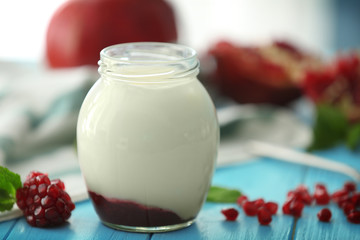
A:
x: 148, y: 61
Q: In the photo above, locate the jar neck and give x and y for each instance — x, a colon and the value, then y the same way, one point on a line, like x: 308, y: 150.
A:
x: 148, y: 62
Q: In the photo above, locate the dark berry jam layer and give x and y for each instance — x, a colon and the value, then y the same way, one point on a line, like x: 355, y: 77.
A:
x: 129, y: 213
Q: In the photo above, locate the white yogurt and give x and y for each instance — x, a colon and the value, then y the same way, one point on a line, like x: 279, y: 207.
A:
x: 154, y: 144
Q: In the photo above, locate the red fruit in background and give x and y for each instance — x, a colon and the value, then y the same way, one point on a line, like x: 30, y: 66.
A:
x: 264, y: 74
x: 80, y: 29
x: 337, y: 84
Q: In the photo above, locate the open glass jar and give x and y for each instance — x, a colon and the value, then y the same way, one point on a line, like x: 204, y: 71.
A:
x: 147, y: 138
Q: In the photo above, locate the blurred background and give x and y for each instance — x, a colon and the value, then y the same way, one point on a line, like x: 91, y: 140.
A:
x: 251, y: 52
x: 323, y: 26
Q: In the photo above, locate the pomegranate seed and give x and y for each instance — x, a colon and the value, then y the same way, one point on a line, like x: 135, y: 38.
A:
x: 29, y: 201
x: 320, y: 186
x: 230, y: 214
x: 21, y: 204
x: 250, y: 208
x: 354, y: 217
x: 338, y: 194
x: 355, y: 199
x: 47, y: 201
x: 39, y: 212
x: 301, y: 188
x: 322, y: 198
x: 302, y: 193
x: 66, y: 214
x: 33, y: 190
x: 37, y: 200
x: 264, y: 216
x: 66, y: 196
x: 321, y: 195
x: 343, y: 200
x: 60, y: 205
x: 259, y: 202
x: 20, y: 194
x: 241, y: 200
x: 31, y: 220
x: 71, y: 206
x: 324, y: 215
x: 34, y: 174
x: 350, y: 186
x: 42, y: 179
x: 51, y: 213
x: 58, y: 183
x: 53, y: 191
x: 296, y: 207
x: 307, y: 199
x: 272, y: 207
x: 42, y: 190
x: 286, y: 207
x: 348, y: 207
x: 291, y: 194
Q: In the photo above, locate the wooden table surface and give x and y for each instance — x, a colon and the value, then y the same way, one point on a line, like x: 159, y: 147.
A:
x: 259, y: 177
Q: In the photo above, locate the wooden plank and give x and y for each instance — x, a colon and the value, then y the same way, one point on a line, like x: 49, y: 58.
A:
x: 308, y: 226
x: 266, y: 178
x: 83, y: 224
x: 5, y: 228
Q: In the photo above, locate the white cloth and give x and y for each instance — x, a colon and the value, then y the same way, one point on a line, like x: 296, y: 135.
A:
x: 39, y: 107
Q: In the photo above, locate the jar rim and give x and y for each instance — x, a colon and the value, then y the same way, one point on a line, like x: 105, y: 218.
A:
x: 160, y: 51
x: 148, y: 60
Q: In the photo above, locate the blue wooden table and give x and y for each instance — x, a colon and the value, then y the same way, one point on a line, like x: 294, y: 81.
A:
x: 261, y: 177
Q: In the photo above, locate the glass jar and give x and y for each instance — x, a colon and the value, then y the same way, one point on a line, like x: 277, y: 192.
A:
x: 147, y: 138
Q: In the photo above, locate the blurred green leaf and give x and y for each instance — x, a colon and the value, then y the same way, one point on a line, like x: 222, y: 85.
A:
x: 330, y: 128
x: 353, y: 136
x: 223, y: 195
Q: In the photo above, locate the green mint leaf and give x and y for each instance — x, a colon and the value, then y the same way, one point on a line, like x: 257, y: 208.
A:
x: 353, y: 136
x: 222, y: 195
x: 330, y: 127
x: 9, y: 183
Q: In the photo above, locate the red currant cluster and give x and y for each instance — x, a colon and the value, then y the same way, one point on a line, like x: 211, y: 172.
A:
x: 346, y: 198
